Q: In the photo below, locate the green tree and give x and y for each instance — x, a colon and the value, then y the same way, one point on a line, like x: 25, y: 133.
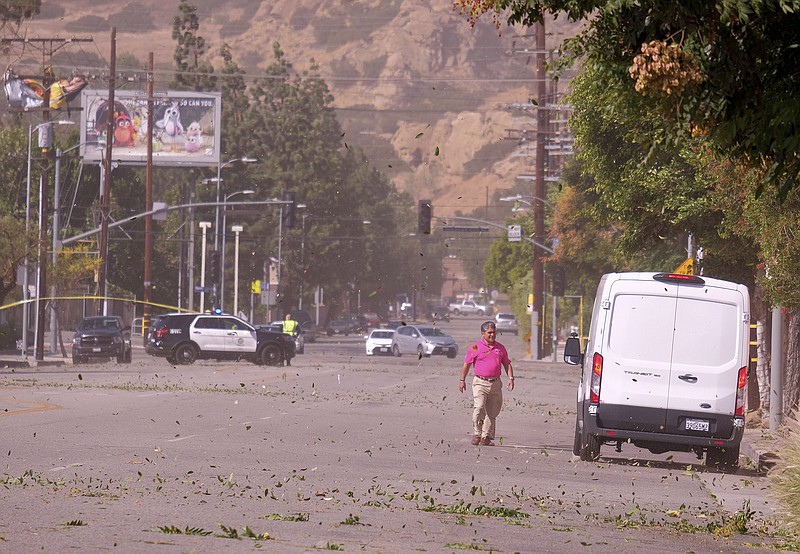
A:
x: 192, y: 72
x: 235, y: 103
x: 16, y: 11
x: 13, y: 247
x: 724, y: 68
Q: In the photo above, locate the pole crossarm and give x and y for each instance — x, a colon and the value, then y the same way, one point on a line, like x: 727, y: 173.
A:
x: 88, y: 234
x: 499, y: 226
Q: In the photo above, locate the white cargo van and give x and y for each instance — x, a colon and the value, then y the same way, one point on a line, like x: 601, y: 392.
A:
x: 665, y: 366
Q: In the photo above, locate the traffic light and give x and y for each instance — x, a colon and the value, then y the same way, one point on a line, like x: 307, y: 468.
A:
x: 425, y: 217
x: 558, y: 281
x: 289, y: 210
x: 213, y: 266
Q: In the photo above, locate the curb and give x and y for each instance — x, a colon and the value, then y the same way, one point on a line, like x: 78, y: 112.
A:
x: 28, y: 363
x: 762, y: 457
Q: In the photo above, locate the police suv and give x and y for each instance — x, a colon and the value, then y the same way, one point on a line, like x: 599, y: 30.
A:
x: 184, y: 338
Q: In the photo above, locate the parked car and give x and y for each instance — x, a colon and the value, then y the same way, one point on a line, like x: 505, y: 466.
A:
x: 372, y: 319
x: 423, y: 340
x: 379, y: 341
x: 339, y: 326
x: 299, y: 336
x: 309, y: 331
x: 358, y: 323
x: 101, y: 337
x: 184, y: 338
x: 439, y: 313
x: 467, y: 307
x: 506, y: 323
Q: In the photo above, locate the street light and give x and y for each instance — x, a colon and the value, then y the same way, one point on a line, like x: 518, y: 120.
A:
x: 218, y: 179
x: 224, y: 227
x: 56, y: 246
x: 522, y: 198
x: 204, y: 225
x: 236, y: 229
x: 538, y: 267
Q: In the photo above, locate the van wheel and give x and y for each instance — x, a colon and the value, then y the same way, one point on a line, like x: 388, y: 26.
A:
x: 723, y: 459
x: 396, y: 351
x: 589, y: 447
x: 186, y: 354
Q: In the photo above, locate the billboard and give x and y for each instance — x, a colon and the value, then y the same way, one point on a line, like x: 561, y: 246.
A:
x: 186, y: 127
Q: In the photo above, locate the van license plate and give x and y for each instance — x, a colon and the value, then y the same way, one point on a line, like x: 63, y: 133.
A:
x: 696, y: 425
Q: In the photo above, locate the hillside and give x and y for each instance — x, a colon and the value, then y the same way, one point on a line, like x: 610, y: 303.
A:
x: 418, y: 89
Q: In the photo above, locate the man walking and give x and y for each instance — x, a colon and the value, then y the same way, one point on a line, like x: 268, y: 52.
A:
x: 488, y: 357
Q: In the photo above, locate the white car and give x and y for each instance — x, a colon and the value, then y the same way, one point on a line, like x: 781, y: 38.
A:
x: 379, y: 342
x: 423, y: 340
x: 506, y: 323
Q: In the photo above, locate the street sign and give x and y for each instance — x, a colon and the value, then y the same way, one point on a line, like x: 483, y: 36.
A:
x: 453, y: 229
x: 514, y: 233
x: 686, y: 268
x: 198, y: 288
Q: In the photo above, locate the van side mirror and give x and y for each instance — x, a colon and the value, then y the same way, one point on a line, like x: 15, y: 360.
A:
x: 572, y: 351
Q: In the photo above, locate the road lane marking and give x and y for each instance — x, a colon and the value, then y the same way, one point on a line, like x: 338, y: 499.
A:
x: 183, y: 438
x: 34, y: 406
x: 404, y: 382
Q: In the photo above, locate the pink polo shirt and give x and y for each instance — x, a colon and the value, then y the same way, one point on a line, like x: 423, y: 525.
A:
x: 487, y: 360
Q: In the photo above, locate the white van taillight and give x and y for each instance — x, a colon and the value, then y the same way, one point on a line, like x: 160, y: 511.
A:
x: 741, y: 391
x: 597, y: 374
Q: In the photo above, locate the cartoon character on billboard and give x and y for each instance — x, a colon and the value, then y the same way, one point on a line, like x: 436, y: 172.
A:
x: 172, y: 132
x: 194, y: 137
x: 123, y: 130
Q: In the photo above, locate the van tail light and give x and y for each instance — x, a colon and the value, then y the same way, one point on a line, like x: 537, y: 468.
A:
x: 741, y: 391
x: 597, y: 374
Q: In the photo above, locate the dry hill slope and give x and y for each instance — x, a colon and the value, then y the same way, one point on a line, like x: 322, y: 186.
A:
x: 413, y: 84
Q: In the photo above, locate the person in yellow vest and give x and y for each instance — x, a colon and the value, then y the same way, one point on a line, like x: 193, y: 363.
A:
x: 290, y: 327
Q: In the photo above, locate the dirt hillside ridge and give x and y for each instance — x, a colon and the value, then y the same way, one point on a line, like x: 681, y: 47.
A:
x: 412, y: 82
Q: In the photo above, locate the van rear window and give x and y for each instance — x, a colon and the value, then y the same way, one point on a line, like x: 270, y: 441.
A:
x: 640, y: 328
x: 705, y: 332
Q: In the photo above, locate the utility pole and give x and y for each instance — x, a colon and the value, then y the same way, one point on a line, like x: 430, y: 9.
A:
x: 105, y: 196
x: 41, y: 273
x: 148, y: 220
x: 537, y: 315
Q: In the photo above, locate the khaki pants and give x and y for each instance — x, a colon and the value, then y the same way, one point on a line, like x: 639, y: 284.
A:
x: 488, y: 399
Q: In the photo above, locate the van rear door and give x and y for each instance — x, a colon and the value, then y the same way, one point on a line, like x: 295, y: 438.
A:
x: 636, y: 354
x: 708, y: 349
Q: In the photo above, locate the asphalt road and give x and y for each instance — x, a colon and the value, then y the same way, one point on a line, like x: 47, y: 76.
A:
x: 340, y: 451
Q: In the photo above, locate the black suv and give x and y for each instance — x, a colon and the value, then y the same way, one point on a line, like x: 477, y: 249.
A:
x: 101, y: 337
x: 184, y: 338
